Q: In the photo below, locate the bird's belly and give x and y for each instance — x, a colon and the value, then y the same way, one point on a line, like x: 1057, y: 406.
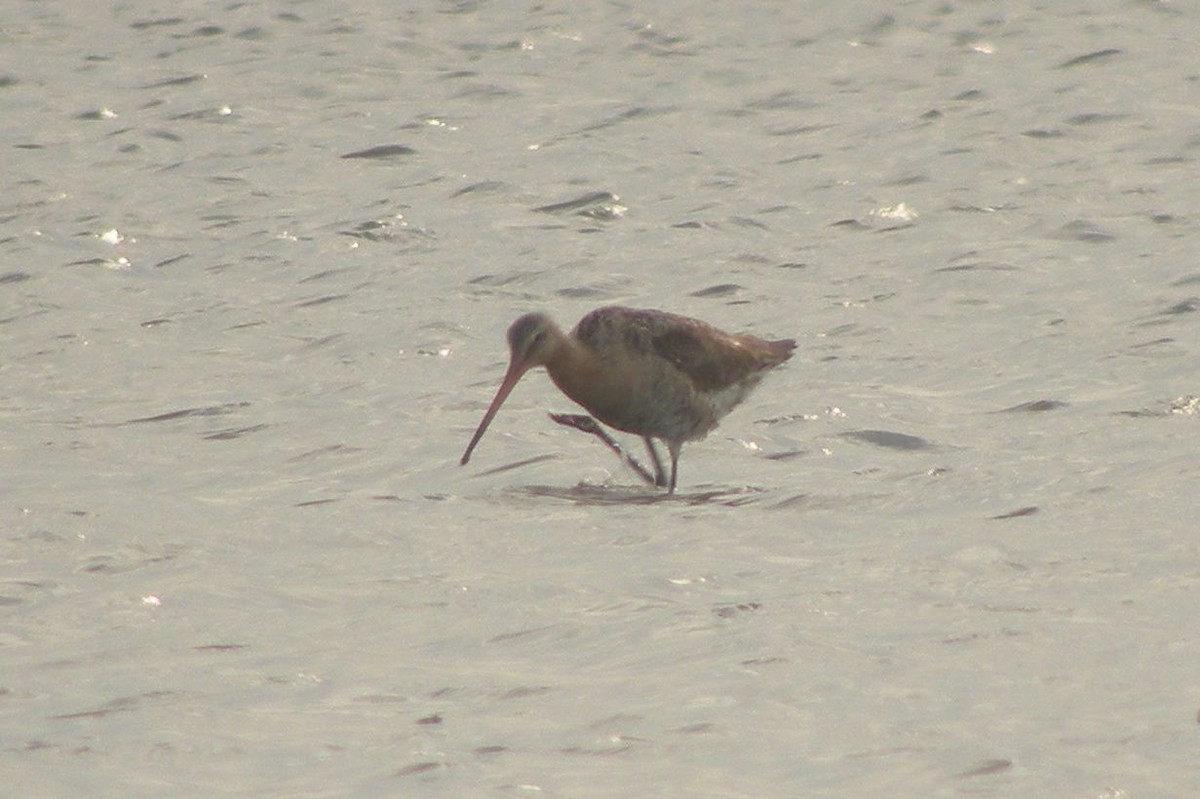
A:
x: 665, y: 406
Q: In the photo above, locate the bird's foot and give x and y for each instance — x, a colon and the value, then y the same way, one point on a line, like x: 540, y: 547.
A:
x: 579, y: 421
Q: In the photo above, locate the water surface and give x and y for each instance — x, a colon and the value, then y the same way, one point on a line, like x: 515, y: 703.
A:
x: 256, y: 264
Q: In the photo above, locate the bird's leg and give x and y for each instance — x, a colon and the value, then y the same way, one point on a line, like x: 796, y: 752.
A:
x: 674, y: 447
x: 660, y: 476
x: 587, y: 424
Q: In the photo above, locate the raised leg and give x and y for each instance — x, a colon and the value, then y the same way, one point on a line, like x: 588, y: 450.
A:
x: 660, y: 476
x: 587, y: 424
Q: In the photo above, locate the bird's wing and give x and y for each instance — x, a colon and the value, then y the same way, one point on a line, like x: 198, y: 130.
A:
x: 711, y: 358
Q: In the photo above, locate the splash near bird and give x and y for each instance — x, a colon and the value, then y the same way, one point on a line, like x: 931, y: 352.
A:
x: 650, y: 373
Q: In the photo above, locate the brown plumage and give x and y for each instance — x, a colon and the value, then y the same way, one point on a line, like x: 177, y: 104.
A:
x: 650, y: 373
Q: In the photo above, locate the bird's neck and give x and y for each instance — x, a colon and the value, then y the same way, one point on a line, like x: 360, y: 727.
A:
x: 574, y: 368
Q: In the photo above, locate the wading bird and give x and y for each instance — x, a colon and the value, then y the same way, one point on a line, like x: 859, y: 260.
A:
x: 650, y: 373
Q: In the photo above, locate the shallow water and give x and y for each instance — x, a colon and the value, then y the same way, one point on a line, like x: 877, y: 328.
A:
x: 257, y: 265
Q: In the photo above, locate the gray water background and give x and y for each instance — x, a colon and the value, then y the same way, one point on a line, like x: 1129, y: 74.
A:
x: 949, y: 550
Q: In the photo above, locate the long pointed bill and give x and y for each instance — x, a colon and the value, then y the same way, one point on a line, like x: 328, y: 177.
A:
x: 514, y: 373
